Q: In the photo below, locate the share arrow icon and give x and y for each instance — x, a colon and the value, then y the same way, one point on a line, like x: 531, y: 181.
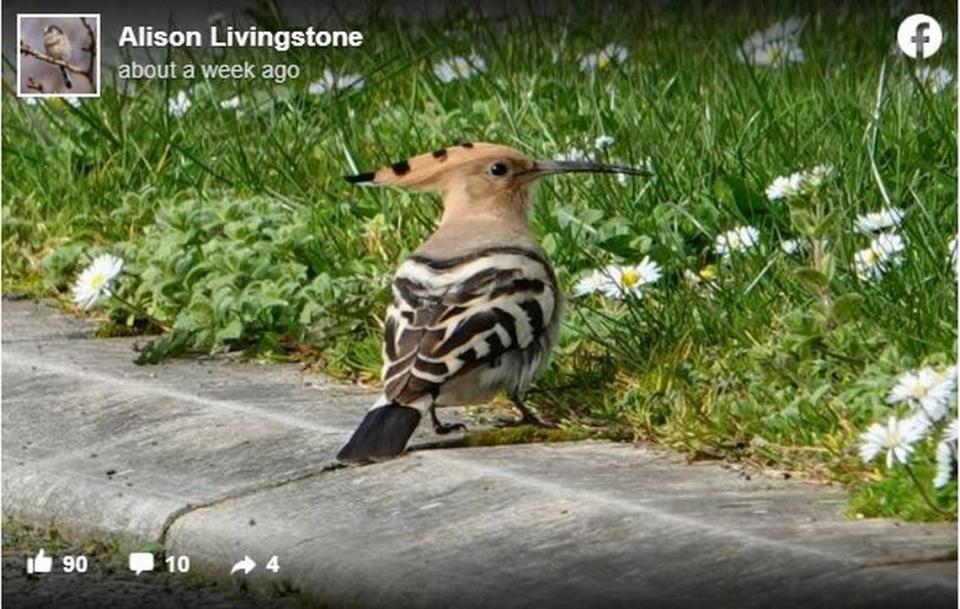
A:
x: 246, y: 565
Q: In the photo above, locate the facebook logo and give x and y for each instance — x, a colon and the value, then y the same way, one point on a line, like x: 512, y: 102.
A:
x: 919, y: 36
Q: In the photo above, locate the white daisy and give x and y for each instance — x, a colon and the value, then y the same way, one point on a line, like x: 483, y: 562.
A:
x: 935, y: 79
x: 618, y: 281
x: 73, y: 100
x: 776, y: 46
x: 799, y: 183
x: 329, y: 81
x: 574, y: 154
x: 931, y: 391
x: 455, y: 68
x: 95, y: 280
x: 814, y: 177
x: 784, y: 187
x: 603, y: 142
x: 737, y: 239
x: 612, y: 53
x: 791, y: 246
x: 776, y: 54
x: 888, y: 217
x: 178, y: 105
x: 946, y: 456
x: 31, y: 101
x: 884, y: 253
x: 952, y: 255
x: 231, y: 104
x: 896, y: 439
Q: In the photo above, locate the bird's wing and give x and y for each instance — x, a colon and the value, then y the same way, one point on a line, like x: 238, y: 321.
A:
x: 452, y: 315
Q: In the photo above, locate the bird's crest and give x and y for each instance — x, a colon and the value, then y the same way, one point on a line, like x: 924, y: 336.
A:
x: 429, y: 170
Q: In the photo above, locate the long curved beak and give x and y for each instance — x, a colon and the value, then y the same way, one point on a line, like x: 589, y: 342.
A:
x: 545, y: 168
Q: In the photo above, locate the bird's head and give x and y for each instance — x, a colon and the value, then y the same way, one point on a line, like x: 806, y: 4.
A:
x: 52, y: 29
x: 479, y: 177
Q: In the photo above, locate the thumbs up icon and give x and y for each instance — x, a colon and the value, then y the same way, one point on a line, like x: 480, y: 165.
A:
x: 41, y: 564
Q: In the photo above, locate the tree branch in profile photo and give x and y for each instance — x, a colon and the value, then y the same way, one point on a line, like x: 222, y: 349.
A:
x: 90, y: 48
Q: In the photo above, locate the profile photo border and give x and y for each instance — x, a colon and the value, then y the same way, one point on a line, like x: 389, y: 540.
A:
x: 99, y: 49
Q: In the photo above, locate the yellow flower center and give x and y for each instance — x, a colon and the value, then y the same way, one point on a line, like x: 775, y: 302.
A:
x: 629, y: 278
x: 871, y: 256
x: 919, y: 390
x: 603, y: 60
x: 709, y: 273
x: 97, y: 280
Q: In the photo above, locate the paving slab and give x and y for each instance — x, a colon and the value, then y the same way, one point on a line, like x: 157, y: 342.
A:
x: 217, y: 459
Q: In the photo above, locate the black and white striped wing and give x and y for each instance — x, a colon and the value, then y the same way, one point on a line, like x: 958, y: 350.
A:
x: 449, y: 317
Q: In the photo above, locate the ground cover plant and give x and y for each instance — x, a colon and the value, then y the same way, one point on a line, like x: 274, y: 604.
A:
x: 781, y: 290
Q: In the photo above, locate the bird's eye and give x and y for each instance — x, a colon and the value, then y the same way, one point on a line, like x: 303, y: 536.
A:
x: 499, y: 169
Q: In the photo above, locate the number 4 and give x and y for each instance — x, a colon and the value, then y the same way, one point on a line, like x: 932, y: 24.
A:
x: 273, y: 565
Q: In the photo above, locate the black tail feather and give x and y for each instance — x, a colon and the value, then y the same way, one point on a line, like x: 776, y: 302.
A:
x: 382, y: 434
x: 66, y: 78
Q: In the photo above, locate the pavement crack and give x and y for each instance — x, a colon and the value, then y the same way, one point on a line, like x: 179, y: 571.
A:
x: 240, y: 493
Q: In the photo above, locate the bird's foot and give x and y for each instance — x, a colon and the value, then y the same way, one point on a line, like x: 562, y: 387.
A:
x: 445, y: 428
x: 528, y: 418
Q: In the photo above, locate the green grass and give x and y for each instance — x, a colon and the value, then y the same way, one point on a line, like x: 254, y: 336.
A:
x: 240, y: 233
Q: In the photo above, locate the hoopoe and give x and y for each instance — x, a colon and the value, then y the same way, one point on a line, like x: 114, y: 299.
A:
x: 476, y: 307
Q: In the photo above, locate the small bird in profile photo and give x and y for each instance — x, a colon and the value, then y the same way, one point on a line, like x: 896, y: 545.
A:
x: 57, y: 46
x: 476, y: 308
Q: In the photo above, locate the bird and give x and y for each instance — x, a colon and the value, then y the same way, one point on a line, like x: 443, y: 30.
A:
x: 58, y: 46
x: 476, y: 308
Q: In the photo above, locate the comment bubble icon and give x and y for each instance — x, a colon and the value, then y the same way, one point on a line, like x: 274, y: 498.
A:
x: 140, y: 562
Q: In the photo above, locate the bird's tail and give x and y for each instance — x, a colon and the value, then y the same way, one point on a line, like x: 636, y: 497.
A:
x: 66, y: 78
x: 382, y: 434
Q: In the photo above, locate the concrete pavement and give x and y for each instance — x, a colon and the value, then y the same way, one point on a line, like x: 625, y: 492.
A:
x: 217, y: 459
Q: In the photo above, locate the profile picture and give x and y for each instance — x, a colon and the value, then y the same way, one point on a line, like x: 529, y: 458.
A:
x: 58, y: 55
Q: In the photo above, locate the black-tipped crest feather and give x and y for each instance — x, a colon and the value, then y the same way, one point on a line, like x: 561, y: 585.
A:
x: 360, y: 178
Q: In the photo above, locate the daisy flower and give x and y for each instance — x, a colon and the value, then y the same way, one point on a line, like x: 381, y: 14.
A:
x: 459, y: 67
x: 737, y: 239
x: 178, y: 105
x: 231, y: 104
x: 947, y: 456
x: 895, y: 439
x: 935, y: 79
x: 888, y: 217
x: 31, y: 101
x: 798, y: 183
x: 814, y: 177
x: 928, y: 389
x: 618, y: 281
x: 791, y: 246
x: 329, y: 81
x: 775, y: 46
x: 775, y: 54
x: 784, y: 187
x: 603, y: 142
x: 95, y: 280
x: 574, y: 154
x: 73, y: 100
x: 612, y: 53
x: 874, y: 261
x: 952, y: 255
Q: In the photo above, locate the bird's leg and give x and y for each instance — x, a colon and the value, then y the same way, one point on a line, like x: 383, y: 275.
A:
x: 444, y: 428
x: 527, y: 416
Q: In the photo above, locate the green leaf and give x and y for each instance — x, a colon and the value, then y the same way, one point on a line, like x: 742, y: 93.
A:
x: 803, y: 221
x: 812, y: 277
x: 847, y: 307
x: 232, y: 331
